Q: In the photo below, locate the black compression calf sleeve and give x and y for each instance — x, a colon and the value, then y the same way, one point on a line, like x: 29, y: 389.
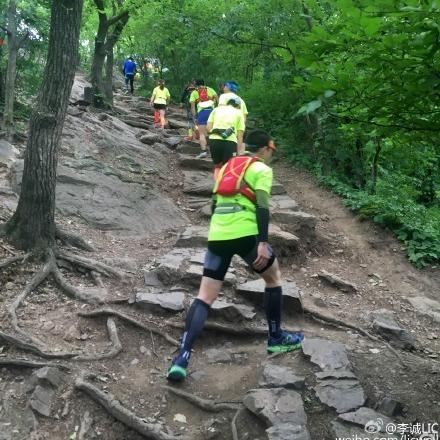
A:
x: 195, y: 320
x: 273, y: 302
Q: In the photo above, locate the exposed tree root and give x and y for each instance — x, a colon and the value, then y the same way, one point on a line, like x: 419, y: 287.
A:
x: 108, y: 311
x: 125, y: 416
x: 205, y: 404
x: 239, y: 330
x: 42, y: 351
x: 97, y: 279
x: 234, y: 423
x: 26, y: 363
x: 5, y: 263
x: 26, y: 342
x: 72, y: 291
x: 33, y: 348
x: 7, y: 249
x: 71, y: 239
x: 116, y: 345
x: 36, y: 280
x: 345, y: 325
x: 90, y: 264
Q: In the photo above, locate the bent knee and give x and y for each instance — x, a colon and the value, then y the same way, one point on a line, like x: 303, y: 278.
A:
x: 272, y: 276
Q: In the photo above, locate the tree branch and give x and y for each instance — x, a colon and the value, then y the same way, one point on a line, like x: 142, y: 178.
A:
x: 8, y: 32
x: 116, y: 18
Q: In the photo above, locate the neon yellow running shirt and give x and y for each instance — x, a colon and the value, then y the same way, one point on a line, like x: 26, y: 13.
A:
x: 225, y: 97
x: 205, y: 104
x: 160, y: 96
x: 226, y: 117
x: 242, y: 223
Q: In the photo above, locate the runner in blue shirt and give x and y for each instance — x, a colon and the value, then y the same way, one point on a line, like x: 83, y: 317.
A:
x: 129, y: 71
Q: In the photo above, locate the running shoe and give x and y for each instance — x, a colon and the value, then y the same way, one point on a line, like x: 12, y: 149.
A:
x: 202, y: 155
x: 288, y: 341
x: 177, y: 371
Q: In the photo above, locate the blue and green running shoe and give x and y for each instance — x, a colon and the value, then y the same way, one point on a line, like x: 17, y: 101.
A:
x: 177, y: 371
x: 288, y: 341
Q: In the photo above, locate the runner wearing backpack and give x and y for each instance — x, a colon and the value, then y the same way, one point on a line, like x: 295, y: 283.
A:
x: 239, y: 225
x: 202, y: 103
x: 225, y: 128
x: 184, y: 102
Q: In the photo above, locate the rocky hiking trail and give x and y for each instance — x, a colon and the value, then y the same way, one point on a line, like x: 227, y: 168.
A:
x: 140, y: 199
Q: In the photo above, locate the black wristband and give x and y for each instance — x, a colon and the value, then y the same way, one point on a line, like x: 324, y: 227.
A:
x: 263, y: 224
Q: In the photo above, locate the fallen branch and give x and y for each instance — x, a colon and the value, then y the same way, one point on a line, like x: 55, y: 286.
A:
x: 12, y: 260
x: 7, y: 249
x: 205, y: 404
x: 90, y: 264
x: 131, y: 320
x: 238, y: 330
x: 116, y: 345
x: 26, y: 363
x: 73, y: 240
x: 152, y: 345
x: 234, y: 423
x: 125, y: 416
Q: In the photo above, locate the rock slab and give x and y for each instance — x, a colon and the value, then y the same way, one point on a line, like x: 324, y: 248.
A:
x: 275, y: 376
x: 338, y: 282
x: 254, y: 292
x: 363, y: 416
x: 287, y: 431
x: 41, y: 399
x: 171, y: 301
x: 343, y: 395
x: 275, y: 406
x: 426, y: 306
x: 326, y: 354
x: 230, y: 311
x: 386, y: 325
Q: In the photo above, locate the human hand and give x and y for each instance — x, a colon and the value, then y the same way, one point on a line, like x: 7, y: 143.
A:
x: 264, y: 252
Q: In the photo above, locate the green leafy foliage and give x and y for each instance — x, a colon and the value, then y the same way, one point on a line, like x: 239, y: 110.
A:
x: 350, y: 89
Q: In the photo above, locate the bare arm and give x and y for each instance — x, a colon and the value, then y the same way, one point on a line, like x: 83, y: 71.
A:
x: 240, y: 146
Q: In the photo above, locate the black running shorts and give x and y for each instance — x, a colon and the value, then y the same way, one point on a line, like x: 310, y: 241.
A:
x: 221, y: 150
x: 159, y: 106
x: 219, y: 255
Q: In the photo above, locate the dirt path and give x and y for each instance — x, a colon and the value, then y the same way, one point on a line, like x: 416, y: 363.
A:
x: 225, y: 367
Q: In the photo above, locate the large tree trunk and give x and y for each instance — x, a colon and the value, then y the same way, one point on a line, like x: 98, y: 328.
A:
x: 104, y: 44
x: 33, y: 225
x: 2, y: 79
x: 112, y: 39
x: 11, y: 72
x: 99, y: 56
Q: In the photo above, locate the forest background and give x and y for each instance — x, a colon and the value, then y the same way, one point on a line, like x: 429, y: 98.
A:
x: 350, y: 89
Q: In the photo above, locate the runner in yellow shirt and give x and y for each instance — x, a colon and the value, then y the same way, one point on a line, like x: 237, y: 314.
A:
x: 239, y: 226
x: 202, y: 102
x: 225, y: 128
x: 230, y: 89
x: 159, y: 101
